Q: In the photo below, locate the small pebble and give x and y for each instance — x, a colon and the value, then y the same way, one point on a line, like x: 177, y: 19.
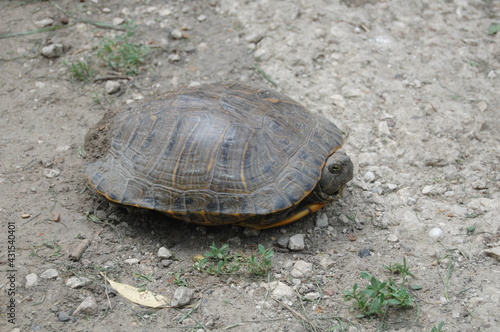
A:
x: 427, y: 190
x: 301, y: 269
x: 283, y: 291
x: 296, y: 242
x: 166, y: 262
x: 482, y: 105
x: 321, y: 220
x: 77, y: 282
x: 201, y: 18
x: 164, y: 12
x: 182, y: 297
x: 49, y: 274
x: 254, y: 37
x: 176, y: 34
x: 282, y: 241
x: 25, y: 215
x: 493, y: 252
x: 118, y: 21
x: 51, y: 172
x: 312, y: 296
x: 52, y: 51
x: 132, y: 261
x: 164, y: 253
x: 392, y: 238
x: 112, y: 87
x: 436, y: 233
x: 174, y: 57
x: 31, y: 280
x: 87, y: 308
x: 365, y: 252
x: 369, y: 177
x: 44, y: 23
x: 63, y: 316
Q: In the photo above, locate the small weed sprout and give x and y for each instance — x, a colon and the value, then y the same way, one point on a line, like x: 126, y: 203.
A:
x: 438, y: 328
x: 219, y: 261
x: 120, y: 54
x: 378, y: 296
x: 403, y: 270
x: 80, y: 70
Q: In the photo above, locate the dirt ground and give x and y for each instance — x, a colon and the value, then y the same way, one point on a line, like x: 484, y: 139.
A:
x: 413, y: 84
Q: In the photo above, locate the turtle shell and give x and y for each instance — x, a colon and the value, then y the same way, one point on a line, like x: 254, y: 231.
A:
x: 213, y: 154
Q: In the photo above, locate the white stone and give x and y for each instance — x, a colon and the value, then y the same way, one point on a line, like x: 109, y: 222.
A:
x: 31, y: 280
x: 321, y: 220
x: 112, y: 87
x: 87, y: 308
x: 52, y: 51
x: 49, y: 274
x: 301, y: 269
x: 254, y: 37
x: 164, y: 253
x: 118, y: 21
x: 493, y: 252
x: 283, y: 292
x: 132, y: 261
x: 77, y: 282
x: 326, y: 262
x: 176, y: 34
x: 312, y: 296
x: 436, y: 233
x: 392, y: 238
x: 51, y: 172
x: 164, y: 12
x: 182, y: 297
x: 369, y: 177
x: 427, y: 190
x: 296, y: 242
x: 261, y: 54
x: 201, y: 18
x: 44, y: 22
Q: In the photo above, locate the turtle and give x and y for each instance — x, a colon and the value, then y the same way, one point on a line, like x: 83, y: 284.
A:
x: 221, y: 153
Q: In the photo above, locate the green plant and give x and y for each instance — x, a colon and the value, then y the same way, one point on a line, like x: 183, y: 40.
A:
x: 178, y: 278
x: 219, y: 261
x: 120, y: 54
x: 378, y: 296
x: 439, y: 328
x: 80, y: 70
x: 402, y: 270
x: 260, y: 263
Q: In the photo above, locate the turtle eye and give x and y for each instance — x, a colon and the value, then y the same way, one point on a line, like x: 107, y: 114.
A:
x: 335, y: 169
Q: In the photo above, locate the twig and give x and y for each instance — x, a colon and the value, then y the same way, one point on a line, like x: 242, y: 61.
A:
x: 111, y: 77
x: 78, y: 252
x: 106, y: 291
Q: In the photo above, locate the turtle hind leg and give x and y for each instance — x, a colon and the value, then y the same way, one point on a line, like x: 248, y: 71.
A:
x: 296, y: 215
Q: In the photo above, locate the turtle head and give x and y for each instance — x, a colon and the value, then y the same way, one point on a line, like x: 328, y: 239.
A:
x: 337, y: 172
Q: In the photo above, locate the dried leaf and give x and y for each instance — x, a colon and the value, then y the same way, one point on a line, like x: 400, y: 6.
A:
x: 142, y: 297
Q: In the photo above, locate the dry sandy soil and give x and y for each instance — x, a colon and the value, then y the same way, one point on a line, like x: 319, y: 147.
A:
x: 413, y: 84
